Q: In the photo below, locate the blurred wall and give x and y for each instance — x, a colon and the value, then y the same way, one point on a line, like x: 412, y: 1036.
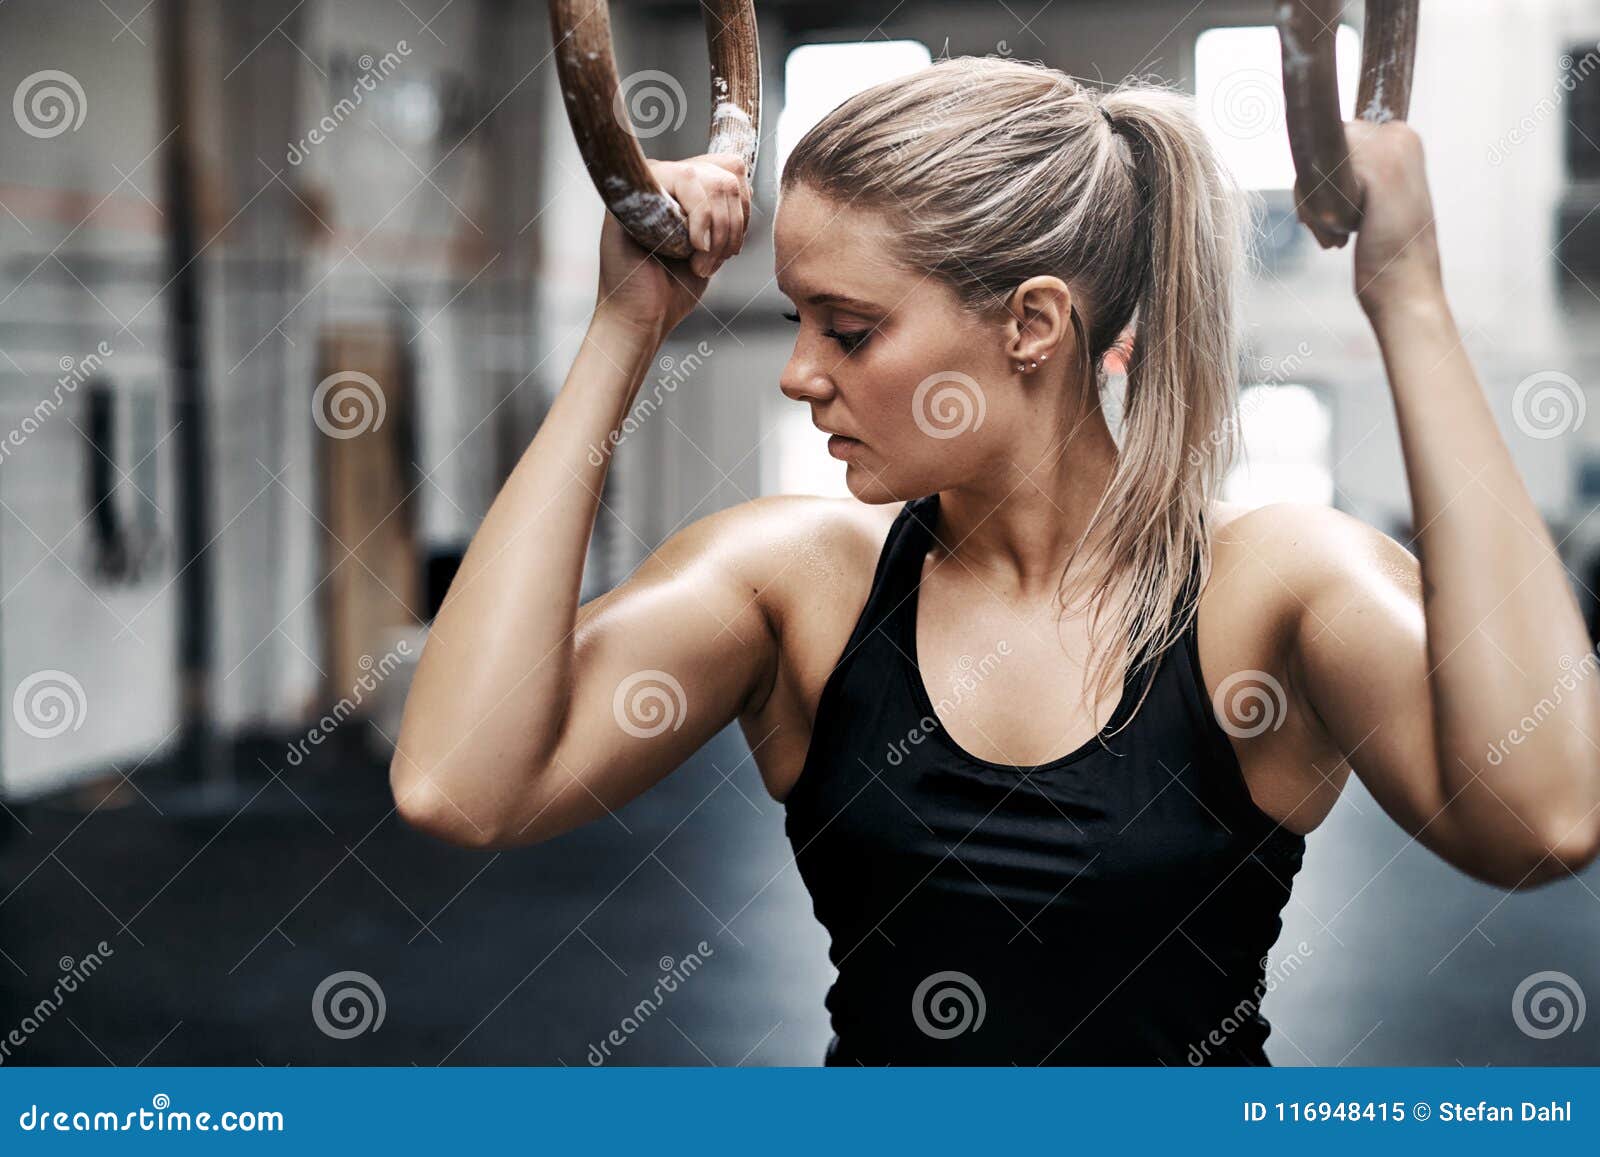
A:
x: 453, y: 206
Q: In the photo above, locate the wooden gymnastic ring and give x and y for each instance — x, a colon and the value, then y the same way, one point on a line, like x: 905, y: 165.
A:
x: 581, y: 30
x: 1326, y: 194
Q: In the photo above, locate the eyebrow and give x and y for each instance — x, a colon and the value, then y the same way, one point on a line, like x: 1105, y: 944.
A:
x: 841, y: 299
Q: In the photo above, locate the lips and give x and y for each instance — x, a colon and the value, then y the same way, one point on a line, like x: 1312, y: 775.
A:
x: 837, y: 434
x: 839, y: 445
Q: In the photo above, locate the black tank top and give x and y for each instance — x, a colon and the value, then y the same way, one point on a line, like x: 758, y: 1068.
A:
x: 1112, y: 906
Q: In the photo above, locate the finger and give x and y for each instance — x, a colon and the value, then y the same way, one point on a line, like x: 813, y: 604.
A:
x: 732, y: 199
x: 729, y: 161
x: 726, y: 217
x: 739, y: 216
x: 734, y: 164
x: 744, y: 216
x: 701, y: 234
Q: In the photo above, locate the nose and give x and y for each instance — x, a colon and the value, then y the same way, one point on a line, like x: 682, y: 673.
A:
x: 804, y: 378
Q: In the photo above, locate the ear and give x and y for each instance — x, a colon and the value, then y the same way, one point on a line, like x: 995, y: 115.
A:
x: 1041, y: 319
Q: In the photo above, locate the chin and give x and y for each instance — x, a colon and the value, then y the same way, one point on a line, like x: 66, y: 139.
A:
x: 882, y: 489
x: 864, y: 487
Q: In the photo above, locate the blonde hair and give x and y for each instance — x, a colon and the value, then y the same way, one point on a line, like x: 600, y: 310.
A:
x: 993, y: 170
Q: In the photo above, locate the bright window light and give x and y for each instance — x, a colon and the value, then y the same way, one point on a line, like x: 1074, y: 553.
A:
x: 1287, y: 436
x: 1238, y: 84
x: 800, y: 462
x: 817, y: 77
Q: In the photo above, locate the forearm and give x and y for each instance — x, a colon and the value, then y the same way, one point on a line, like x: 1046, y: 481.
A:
x: 486, y: 705
x: 1506, y: 640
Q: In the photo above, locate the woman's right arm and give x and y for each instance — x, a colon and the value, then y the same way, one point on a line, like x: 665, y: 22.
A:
x: 529, y: 715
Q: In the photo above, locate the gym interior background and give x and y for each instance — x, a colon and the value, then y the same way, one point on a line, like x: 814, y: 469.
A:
x: 286, y: 286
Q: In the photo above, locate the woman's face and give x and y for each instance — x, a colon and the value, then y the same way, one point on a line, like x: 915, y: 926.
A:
x: 920, y: 395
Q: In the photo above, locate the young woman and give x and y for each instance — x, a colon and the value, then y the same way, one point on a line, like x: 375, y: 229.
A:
x: 1147, y: 697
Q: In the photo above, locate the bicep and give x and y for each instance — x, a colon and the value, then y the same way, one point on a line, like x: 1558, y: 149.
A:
x: 660, y: 664
x: 1362, y: 659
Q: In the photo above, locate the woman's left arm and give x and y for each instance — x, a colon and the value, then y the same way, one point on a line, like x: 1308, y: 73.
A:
x: 1510, y: 677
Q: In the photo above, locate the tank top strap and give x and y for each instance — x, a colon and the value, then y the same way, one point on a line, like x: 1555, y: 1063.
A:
x: 899, y: 568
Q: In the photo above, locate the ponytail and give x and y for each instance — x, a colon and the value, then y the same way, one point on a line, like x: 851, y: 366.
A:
x: 1177, y: 437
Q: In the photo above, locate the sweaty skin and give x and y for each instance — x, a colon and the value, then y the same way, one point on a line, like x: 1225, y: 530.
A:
x: 518, y: 724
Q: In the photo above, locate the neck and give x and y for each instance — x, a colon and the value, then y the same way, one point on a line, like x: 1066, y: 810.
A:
x: 1018, y: 520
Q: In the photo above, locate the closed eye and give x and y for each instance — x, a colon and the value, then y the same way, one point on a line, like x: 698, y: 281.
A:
x: 849, y: 342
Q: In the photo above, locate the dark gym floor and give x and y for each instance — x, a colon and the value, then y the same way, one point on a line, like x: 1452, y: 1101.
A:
x: 224, y: 917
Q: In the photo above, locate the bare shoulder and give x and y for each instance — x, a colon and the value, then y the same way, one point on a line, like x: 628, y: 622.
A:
x: 799, y: 552
x: 1306, y: 548
x: 1274, y: 564
x: 807, y: 563
x: 1296, y: 586
x: 782, y: 555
